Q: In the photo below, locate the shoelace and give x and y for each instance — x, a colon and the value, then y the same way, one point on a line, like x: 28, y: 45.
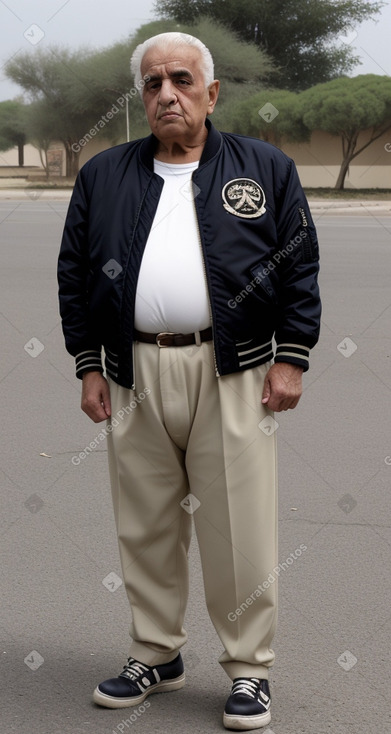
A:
x: 249, y: 686
x: 134, y: 669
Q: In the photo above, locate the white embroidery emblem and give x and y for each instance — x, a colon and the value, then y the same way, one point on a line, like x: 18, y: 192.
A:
x: 244, y: 197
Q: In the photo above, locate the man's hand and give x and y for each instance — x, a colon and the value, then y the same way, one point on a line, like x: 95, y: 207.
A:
x: 95, y: 397
x: 283, y: 386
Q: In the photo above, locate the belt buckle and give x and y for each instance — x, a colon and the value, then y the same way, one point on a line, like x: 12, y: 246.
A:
x: 161, y: 335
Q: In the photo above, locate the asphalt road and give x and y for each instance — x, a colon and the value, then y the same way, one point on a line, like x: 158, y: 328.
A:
x: 64, y: 618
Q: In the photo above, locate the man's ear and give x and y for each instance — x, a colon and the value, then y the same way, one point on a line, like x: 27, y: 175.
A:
x: 213, y: 91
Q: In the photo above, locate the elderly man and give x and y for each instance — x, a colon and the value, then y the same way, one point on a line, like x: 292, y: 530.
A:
x: 183, y: 255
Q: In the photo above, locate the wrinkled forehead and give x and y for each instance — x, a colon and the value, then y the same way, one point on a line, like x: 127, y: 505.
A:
x: 159, y: 59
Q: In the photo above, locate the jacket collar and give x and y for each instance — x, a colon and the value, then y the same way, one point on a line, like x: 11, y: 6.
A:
x: 211, y: 147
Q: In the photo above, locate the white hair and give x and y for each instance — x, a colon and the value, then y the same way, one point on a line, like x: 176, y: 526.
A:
x: 165, y: 40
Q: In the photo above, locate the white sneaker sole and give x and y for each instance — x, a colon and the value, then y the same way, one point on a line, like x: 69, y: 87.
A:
x: 245, y: 723
x: 120, y: 703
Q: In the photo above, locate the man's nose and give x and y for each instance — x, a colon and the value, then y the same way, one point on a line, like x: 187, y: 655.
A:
x: 167, y: 94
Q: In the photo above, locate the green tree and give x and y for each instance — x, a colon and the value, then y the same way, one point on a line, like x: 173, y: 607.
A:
x: 41, y: 124
x: 301, y: 36
x: 56, y: 76
x: 107, y: 74
x: 357, y: 110
x: 273, y: 115
x: 13, y: 127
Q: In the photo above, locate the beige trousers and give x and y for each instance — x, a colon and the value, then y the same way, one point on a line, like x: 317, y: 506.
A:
x: 187, y: 444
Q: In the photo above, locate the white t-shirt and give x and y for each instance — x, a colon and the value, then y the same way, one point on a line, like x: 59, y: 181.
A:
x: 171, y: 291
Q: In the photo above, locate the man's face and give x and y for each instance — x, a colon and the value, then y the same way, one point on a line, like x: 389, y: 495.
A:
x: 176, y: 99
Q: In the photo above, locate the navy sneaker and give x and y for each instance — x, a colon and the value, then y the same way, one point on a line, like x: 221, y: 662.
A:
x: 137, y: 681
x: 248, y: 706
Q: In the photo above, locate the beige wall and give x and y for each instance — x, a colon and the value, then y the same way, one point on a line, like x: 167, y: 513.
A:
x: 92, y: 148
x: 318, y: 162
x: 9, y: 162
x: 31, y: 155
x: 10, y: 157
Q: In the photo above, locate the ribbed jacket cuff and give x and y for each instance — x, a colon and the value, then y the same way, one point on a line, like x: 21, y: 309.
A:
x: 88, y: 361
x: 293, y: 353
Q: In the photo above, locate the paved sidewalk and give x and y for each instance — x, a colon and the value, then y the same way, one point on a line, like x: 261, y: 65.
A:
x: 336, y: 207
x: 27, y: 193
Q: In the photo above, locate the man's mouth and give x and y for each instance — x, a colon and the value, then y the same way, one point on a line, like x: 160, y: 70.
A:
x: 169, y: 115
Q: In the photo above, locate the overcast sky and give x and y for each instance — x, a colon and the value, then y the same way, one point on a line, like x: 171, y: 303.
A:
x: 29, y: 24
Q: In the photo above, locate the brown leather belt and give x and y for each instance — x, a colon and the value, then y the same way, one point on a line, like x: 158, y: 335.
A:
x: 169, y: 339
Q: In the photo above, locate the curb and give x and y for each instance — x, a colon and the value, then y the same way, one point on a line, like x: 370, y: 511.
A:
x: 354, y: 208
x: 36, y: 194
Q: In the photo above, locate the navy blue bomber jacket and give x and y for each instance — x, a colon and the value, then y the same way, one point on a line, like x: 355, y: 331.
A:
x: 258, y: 241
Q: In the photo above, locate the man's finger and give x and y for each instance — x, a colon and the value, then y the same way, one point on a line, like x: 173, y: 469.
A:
x: 95, y: 411
x: 266, y: 391
x: 95, y: 400
x: 106, y: 403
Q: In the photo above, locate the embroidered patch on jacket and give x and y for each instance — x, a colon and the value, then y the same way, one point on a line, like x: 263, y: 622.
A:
x: 244, y: 197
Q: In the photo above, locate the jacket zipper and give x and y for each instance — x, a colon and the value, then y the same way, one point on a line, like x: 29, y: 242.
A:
x: 133, y: 367
x: 207, y: 283
x: 133, y: 386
